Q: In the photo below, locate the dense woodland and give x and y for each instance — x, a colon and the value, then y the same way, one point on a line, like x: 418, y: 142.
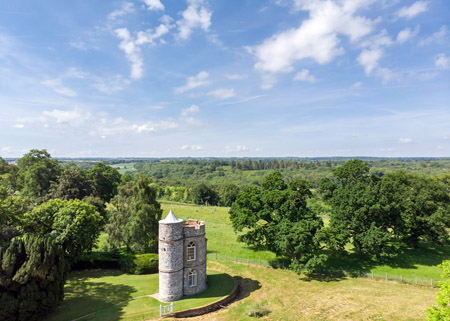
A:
x: 52, y: 212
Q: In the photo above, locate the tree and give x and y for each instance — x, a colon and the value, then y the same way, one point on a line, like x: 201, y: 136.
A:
x: 37, y: 171
x: 227, y: 194
x: 33, y: 271
x: 357, y: 213
x: 421, y: 206
x: 105, y: 181
x: 8, y: 174
x: 276, y: 217
x: 73, y: 224
x: 134, y: 216
x: 203, y: 194
x: 441, y: 311
x: 73, y: 183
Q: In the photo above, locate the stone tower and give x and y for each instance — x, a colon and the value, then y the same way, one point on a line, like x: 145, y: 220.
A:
x: 182, y: 258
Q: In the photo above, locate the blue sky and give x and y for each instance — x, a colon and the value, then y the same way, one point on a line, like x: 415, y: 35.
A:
x: 156, y: 78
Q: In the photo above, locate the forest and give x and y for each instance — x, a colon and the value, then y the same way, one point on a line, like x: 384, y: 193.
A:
x: 305, y: 211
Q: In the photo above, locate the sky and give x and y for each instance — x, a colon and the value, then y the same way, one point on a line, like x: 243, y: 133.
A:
x: 225, y: 78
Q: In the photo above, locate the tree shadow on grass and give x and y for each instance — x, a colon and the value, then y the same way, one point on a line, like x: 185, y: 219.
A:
x: 349, y: 263
x: 83, y: 297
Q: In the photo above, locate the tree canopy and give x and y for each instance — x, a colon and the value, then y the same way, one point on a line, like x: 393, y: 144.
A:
x: 133, y: 216
x: 276, y: 217
x: 72, y: 223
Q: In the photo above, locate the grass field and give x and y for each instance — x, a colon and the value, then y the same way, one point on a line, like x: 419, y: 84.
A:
x: 409, y: 264
x: 112, y: 295
x: 288, y: 296
x: 281, y: 294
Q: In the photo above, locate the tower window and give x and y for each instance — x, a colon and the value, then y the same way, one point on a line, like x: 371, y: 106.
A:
x: 192, y: 278
x: 191, y: 255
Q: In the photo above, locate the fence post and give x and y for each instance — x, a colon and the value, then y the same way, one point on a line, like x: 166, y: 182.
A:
x: 372, y: 275
x: 401, y: 278
x: 416, y: 280
x: 431, y: 282
x: 386, y: 277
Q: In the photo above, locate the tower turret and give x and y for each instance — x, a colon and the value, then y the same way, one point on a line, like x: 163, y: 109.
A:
x: 171, y: 265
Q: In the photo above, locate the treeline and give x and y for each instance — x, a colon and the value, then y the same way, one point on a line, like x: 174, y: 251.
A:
x: 51, y: 216
x: 378, y: 214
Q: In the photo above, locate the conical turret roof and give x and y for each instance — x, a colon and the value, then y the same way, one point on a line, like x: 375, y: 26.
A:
x: 170, y: 219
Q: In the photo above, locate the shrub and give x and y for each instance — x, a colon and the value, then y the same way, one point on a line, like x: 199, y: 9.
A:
x: 97, y: 260
x: 258, y: 309
x: 139, y: 263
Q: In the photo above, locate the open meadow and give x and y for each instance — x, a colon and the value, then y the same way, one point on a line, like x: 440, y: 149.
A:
x: 410, y: 265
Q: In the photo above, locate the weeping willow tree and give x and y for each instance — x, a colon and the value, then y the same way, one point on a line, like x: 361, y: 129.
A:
x: 32, y: 275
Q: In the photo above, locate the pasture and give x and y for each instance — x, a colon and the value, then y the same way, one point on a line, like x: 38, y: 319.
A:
x: 222, y: 244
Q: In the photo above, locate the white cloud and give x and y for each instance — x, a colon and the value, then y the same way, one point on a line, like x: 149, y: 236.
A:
x: 407, y: 34
x: 268, y: 81
x: 236, y: 76
x: 154, y: 5
x: 236, y: 149
x: 372, y: 53
x: 195, y: 16
x: 438, y: 37
x: 442, y: 61
x: 223, y: 93
x: 57, y: 87
x: 357, y: 84
x: 127, y: 7
x: 109, y: 85
x: 201, y: 79
x: 304, y: 75
x: 192, y: 147
x: 405, y: 140
x: 151, y: 126
x: 19, y: 126
x: 413, y: 10
x: 369, y: 59
x: 190, y: 110
x: 73, y: 117
x: 130, y: 45
x: 317, y: 36
x: 132, y: 52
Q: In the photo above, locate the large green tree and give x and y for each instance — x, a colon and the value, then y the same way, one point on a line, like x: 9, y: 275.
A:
x: 73, y: 183
x: 203, y: 194
x: 227, y: 194
x: 72, y: 223
x: 277, y: 218
x: 105, y: 180
x: 420, y: 205
x: 133, y: 216
x: 358, y: 215
x: 37, y: 170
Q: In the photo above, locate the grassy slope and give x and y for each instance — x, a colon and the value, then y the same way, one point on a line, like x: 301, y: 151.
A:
x: 412, y: 263
x: 290, y: 297
x: 113, y: 295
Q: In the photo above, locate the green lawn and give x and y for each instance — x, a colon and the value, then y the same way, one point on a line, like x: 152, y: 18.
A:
x: 112, y: 295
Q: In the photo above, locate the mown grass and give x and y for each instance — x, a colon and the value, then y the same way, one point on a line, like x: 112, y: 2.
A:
x: 283, y: 295
x: 112, y: 295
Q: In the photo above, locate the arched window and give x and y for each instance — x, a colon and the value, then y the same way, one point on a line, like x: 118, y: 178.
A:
x: 191, y: 255
x: 192, y: 278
